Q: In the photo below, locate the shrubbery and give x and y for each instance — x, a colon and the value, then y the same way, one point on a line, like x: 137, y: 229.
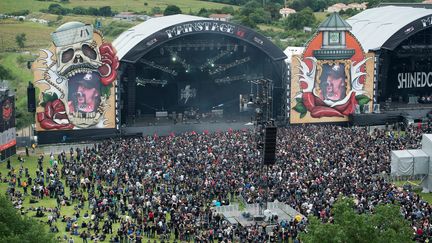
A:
x: 58, y: 9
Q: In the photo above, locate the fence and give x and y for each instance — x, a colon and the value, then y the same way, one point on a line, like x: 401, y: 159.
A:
x: 57, y: 149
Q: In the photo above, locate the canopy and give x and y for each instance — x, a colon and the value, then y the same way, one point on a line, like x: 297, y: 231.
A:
x: 134, y: 43
x: 386, y: 27
x: 402, y: 163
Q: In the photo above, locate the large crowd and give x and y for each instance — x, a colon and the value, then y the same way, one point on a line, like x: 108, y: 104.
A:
x: 161, y: 187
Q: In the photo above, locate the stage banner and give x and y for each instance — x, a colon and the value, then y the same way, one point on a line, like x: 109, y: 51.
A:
x: 329, y: 89
x: 75, y: 80
x: 8, y: 112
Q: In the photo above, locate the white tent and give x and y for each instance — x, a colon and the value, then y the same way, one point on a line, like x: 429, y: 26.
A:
x: 402, y: 163
x: 427, y: 144
x: 421, y: 161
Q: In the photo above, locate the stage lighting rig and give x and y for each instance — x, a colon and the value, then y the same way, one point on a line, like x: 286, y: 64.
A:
x: 230, y: 79
x: 224, y: 67
x: 160, y: 67
x: 143, y: 81
x: 177, y: 58
x: 211, y: 61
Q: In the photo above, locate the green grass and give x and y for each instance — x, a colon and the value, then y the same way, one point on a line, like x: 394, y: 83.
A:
x: 7, y: 6
x: 38, y: 35
x: 22, y: 77
x: 320, y: 16
x: 270, y: 27
x: 31, y: 164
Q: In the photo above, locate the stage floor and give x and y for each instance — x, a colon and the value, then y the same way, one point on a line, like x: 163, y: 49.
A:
x: 166, y: 126
x: 405, y: 106
x: 233, y: 215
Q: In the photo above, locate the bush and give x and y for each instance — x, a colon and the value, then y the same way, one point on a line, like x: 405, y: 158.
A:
x: 20, y: 13
x: 5, y: 74
x: 16, y: 228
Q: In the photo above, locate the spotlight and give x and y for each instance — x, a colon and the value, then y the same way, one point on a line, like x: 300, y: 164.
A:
x: 212, y: 65
x: 174, y: 59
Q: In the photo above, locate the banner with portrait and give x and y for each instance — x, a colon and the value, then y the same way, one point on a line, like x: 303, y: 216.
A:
x: 329, y: 90
x: 75, y: 79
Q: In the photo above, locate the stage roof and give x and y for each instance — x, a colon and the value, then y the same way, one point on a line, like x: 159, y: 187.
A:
x: 134, y: 43
x: 131, y: 37
x: 386, y: 27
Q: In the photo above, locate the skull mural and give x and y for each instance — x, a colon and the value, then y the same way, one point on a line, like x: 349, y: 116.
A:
x: 76, y: 78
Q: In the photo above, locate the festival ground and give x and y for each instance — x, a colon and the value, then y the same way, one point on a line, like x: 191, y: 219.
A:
x: 47, y: 202
x: 31, y: 163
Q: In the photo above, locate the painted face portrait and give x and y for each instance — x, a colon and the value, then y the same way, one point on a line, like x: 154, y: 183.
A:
x: 85, y: 95
x: 333, y: 84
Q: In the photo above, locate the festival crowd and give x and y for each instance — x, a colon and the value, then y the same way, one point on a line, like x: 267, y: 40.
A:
x: 165, y: 187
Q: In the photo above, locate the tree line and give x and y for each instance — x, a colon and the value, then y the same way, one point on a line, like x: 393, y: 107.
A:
x: 58, y: 9
x: 315, y: 5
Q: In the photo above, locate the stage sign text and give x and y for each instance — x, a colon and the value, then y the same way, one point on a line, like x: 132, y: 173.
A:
x: 414, y: 80
x: 198, y: 27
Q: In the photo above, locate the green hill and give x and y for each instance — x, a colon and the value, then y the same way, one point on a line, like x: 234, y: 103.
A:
x: 8, y: 6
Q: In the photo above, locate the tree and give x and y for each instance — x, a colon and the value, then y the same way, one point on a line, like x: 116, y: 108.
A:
x: 249, y: 8
x: 56, y: 8
x: 273, y: 9
x: 79, y: 10
x: 93, y: 11
x: 20, y: 40
x: 16, y: 228
x: 203, y: 12
x: 385, y: 225
x: 171, y: 10
x: 260, y: 16
x: 246, y: 21
x: 156, y: 10
x: 105, y: 11
x: 300, y: 19
x: 5, y: 74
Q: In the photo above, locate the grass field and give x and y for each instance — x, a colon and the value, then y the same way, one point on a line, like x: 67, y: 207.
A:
x: 38, y: 35
x: 270, y: 27
x: 31, y: 164
x: 320, y: 16
x: 22, y: 77
x: 7, y: 6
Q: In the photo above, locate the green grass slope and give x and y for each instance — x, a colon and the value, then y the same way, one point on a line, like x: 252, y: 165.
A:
x: 7, y: 6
